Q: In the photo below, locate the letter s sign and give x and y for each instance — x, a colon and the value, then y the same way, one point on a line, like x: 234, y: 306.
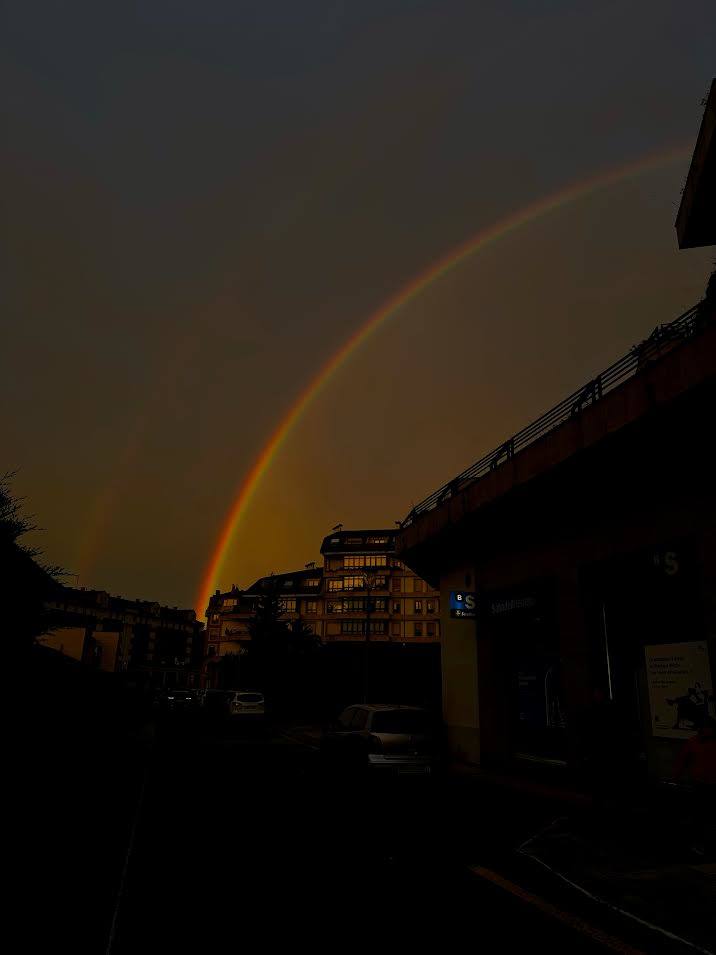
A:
x: 671, y: 563
x: 469, y: 601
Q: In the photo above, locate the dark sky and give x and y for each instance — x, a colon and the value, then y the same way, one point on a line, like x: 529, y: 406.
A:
x: 204, y: 200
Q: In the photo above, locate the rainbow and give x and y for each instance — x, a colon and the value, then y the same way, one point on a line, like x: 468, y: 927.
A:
x: 403, y: 297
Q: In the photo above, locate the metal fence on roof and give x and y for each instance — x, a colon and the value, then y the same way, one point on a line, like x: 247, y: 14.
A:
x: 662, y: 339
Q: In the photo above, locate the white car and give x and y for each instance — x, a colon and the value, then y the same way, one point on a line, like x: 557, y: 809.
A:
x: 378, y: 737
x: 247, y: 703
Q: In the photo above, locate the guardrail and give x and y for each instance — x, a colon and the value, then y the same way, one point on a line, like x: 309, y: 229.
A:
x: 663, y: 339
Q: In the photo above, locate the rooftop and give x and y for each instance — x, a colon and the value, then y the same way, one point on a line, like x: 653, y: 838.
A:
x: 293, y: 582
x: 378, y: 541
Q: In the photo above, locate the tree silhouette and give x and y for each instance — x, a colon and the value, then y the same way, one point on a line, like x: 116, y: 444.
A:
x: 268, y: 637
x: 282, y: 653
x: 28, y: 582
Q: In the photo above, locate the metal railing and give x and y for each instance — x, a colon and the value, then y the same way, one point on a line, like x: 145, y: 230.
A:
x: 662, y: 339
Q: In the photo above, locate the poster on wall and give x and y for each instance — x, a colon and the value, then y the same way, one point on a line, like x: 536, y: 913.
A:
x: 680, y: 687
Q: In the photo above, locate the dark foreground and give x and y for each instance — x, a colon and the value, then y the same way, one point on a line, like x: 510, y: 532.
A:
x: 226, y: 837
x: 240, y: 841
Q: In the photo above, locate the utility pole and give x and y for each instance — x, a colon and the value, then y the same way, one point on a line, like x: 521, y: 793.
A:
x: 369, y: 584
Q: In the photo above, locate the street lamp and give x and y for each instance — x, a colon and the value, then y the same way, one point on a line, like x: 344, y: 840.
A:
x: 369, y: 580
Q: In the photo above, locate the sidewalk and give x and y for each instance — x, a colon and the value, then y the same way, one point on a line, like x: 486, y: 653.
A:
x: 631, y: 864
x: 635, y: 861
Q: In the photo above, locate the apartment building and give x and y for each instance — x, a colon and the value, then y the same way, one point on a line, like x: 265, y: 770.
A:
x: 362, y: 590
x: 368, y: 591
x: 160, y: 646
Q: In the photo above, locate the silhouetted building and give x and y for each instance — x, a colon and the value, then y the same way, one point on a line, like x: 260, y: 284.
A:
x: 581, y: 555
x: 159, y: 646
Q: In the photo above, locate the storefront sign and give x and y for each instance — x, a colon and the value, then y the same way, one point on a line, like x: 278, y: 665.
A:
x: 463, y: 604
x: 504, y: 605
x: 680, y: 687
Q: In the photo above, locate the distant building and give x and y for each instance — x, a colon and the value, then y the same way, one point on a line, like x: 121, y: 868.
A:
x: 159, y: 646
x: 363, y: 577
x: 228, y: 614
x: 362, y: 591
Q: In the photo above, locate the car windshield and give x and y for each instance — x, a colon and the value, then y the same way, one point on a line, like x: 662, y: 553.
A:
x: 250, y: 698
x: 401, y: 721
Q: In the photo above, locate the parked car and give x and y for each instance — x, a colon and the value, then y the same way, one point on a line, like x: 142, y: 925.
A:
x: 401, y: 740
x: 247, y: 703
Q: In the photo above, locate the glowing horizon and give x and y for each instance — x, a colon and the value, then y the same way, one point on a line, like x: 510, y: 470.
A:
x: 403, y: 297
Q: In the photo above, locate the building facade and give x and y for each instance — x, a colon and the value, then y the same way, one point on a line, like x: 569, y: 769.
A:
x: 369, y: 592
x: 363, y: 592
x: 158, y: 646
x: 584, y: 561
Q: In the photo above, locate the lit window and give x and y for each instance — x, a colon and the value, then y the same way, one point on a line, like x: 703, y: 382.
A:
x: 366, y: 560
x: 334, y: 585
x: 396, y: 607
x: 359, y: 626
x: 431, y: 606
x: 418, y: 606
x: 310, y: 606
x: 353, y: 583
x: 377, y: 540
x: 289, y: 605
x: 352, y: 626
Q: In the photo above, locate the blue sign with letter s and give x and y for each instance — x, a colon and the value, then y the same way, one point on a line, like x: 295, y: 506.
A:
x: 463, y: 604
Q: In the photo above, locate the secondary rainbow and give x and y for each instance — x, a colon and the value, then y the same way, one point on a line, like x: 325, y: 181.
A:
x: 398, y: 301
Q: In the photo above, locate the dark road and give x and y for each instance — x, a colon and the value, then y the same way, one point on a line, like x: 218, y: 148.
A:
x: 240, y: 840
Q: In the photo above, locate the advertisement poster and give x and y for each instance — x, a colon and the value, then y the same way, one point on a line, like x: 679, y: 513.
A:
x: 680, y: 687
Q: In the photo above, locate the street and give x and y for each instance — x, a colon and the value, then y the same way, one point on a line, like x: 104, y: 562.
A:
x: 241, y: 841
